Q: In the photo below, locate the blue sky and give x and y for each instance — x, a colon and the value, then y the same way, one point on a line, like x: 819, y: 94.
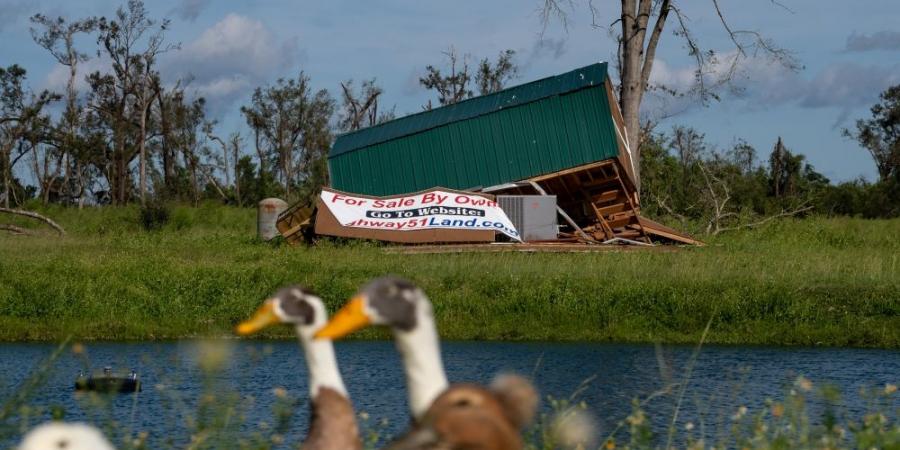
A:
x: 850, y: 51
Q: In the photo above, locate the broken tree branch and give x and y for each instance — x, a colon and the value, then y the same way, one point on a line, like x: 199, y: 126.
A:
x: 36, y: 216
x: 14, y: 229
x: 799, y: 210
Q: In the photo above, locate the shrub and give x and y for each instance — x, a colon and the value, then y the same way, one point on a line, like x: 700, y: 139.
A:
x: 154, y: 216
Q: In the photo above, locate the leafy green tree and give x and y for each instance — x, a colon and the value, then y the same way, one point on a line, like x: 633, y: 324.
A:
x: 880, y: 135
x: 789, y: 174
x: 291, y: 127
x: 255, y: 184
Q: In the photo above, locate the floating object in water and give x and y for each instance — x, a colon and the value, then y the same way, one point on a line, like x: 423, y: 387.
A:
x: 108, y: 382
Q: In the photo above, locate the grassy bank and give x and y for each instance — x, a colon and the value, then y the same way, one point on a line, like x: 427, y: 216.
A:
x: 795, y: 282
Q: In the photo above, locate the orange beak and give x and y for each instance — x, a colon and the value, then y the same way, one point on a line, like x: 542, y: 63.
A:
x: 262, y: 318
x: 350, y: 318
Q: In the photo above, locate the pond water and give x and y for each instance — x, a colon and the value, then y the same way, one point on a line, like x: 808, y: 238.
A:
x: 610, y: 376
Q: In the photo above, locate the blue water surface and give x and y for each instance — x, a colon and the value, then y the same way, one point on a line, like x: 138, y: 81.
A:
x: 606, y: 376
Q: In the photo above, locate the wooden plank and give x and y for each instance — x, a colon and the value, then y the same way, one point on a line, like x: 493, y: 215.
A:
x: 612, y: 209
x: 619, y: 123
x: 606, y: 196
x: 565, y: 186
x: 601, y: 182
x: 607, y: 230
x: 631, y: 204
x: 618, y: 222
x: 604, y: 172
x: 295, y: 230
x: 661, y: 230
x: 605, y: 162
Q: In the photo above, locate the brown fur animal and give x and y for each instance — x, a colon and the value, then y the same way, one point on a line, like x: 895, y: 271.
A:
x: 470, y: 417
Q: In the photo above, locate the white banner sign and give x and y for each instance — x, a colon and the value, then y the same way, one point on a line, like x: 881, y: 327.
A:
x: 429, y: 210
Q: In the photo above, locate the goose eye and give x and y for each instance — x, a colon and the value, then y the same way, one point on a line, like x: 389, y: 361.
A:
x: 299, y: 308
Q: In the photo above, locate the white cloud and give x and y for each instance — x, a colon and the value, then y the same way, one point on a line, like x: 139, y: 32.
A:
x: 849, y: 85
x: 230, y: 58
x: 58, y: 77
x: 758, y: 83
x: 678, y: 78
x: 879, y: 40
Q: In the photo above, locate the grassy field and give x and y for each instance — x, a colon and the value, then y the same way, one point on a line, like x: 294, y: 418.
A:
x: 829, y: 282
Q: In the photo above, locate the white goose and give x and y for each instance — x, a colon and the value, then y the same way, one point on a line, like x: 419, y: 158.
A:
x: 332, y: 422
x: 447, y: 417
x: 68, y: 436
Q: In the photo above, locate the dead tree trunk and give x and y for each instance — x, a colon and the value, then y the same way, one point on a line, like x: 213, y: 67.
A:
x: 36, y: 216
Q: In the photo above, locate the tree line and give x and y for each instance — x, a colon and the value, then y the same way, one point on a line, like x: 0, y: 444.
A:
x: 130, y: 136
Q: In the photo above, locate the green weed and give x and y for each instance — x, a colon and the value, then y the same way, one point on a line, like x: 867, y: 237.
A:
x: 815, y: 281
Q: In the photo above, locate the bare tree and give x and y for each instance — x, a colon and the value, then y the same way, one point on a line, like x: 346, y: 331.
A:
x: 188, y: 122
x: 236, y: 143
x: 168, y: 101
x: 122, y: 99
x: 723, y: 216
x: 689, y: 144
x: 455, y: 87
x: 360, y: 110
x: 491, y: 78
x: 641, y: 25
x: 48, y: 162
x: 20, y: 115
x: 230, y: 151
x: 450, y: 88
x: 57, y: 36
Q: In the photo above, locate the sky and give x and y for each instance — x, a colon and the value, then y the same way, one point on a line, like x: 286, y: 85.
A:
x: 849, y: 51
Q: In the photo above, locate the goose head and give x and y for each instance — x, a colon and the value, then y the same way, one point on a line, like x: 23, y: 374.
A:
x: 402, y: 306
x: 294, y: 305
x: 389, y: 301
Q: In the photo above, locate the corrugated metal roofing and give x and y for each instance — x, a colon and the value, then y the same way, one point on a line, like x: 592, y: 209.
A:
x: 524, y: 131
x: 592, y: 75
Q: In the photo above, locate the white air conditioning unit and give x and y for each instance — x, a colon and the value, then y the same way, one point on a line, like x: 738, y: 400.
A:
x: 534, y: 216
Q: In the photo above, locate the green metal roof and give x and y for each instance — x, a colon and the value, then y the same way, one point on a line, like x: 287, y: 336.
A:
x: 592, y: 75
x: 524, y: 131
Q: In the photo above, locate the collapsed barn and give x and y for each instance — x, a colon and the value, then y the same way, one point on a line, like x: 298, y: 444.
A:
x: 557, y: 144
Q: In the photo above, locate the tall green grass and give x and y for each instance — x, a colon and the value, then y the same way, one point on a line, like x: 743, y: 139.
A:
x: 795, y: 282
